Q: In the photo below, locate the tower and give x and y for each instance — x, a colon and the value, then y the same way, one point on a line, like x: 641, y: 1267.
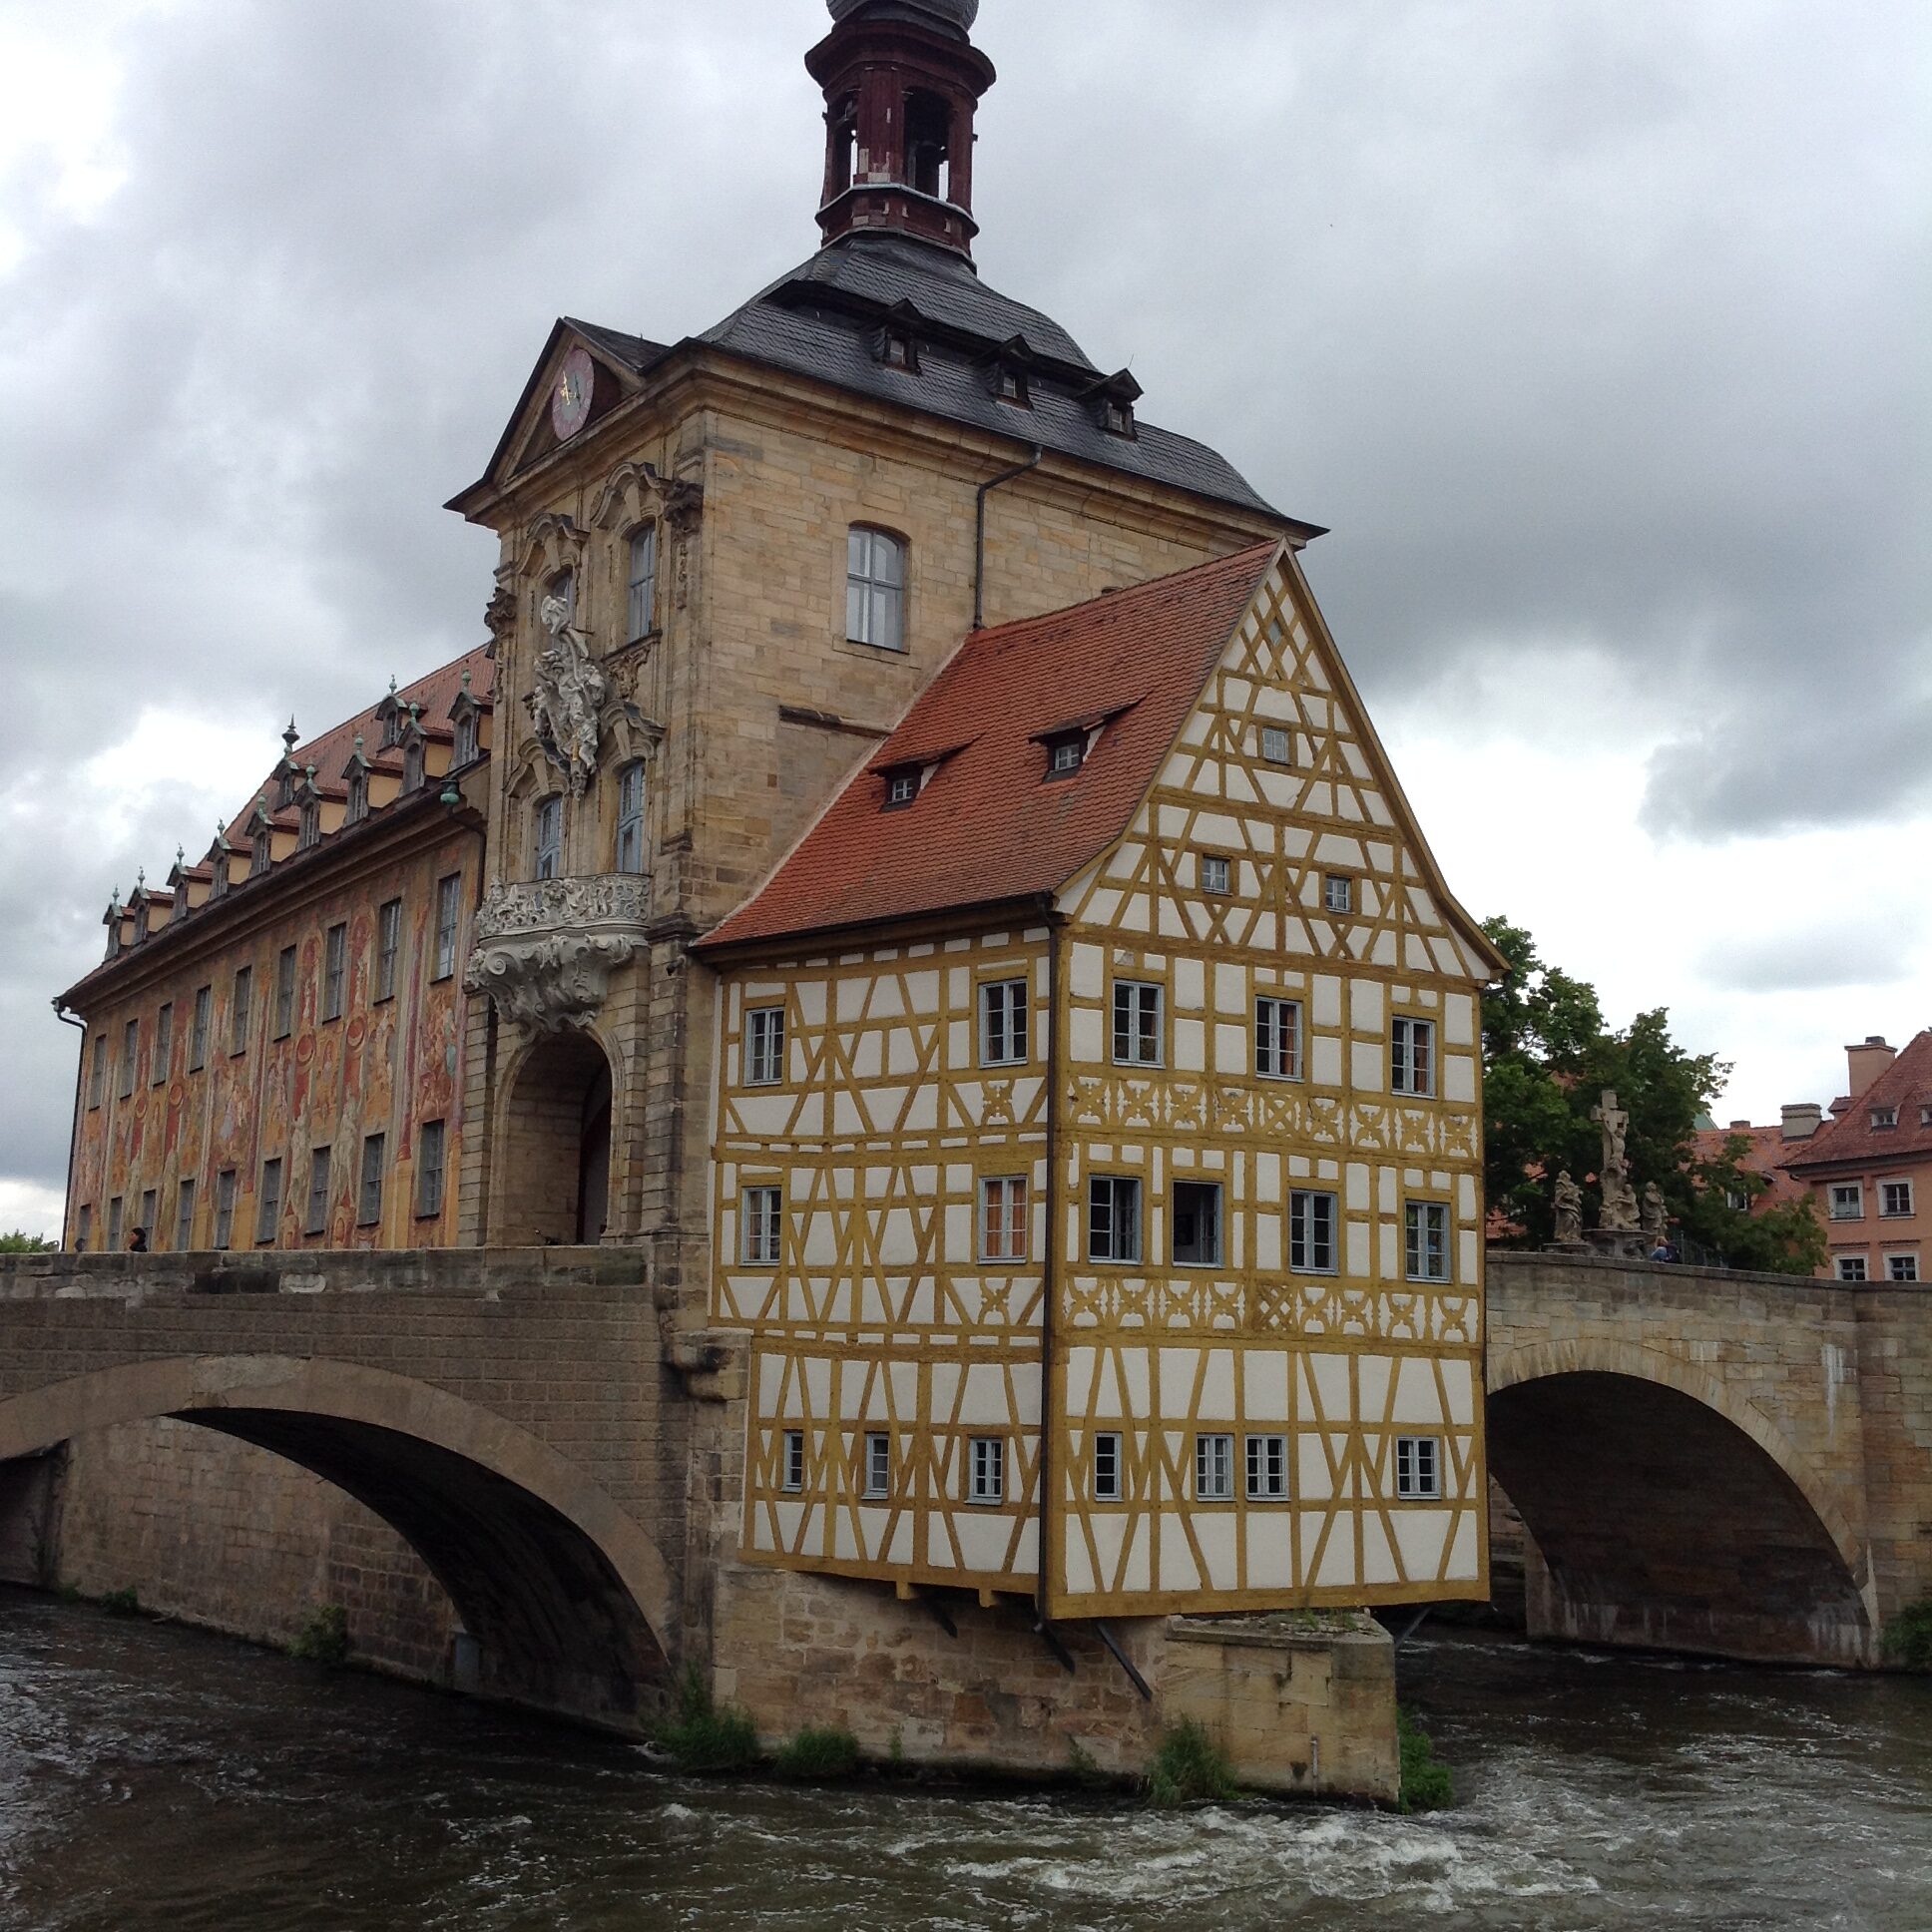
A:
x: 903, y: 81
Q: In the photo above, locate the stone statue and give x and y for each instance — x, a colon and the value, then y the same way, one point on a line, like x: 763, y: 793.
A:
x: 570, y: 692
x: 1657, y: 1217
x: 1620, y: 1197
x: 1569, y: 1206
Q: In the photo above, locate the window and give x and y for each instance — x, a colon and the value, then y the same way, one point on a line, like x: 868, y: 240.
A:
x: 1003, y: 1023
x: 184, y: 1216
x: 83, y: 1226
x: 630, y: 821
x: 224, y: 1185
x: 1413, y: 1057
x: 1107, y: 1468
x: 316, y: 1222
x: 1010, y: 384
x: 311, y: 834
x: 1894, y: 1199
x: 262, y: 854
x: 899, y: 350
x: 792, y: 1475
x: 389, y: 948
x: 465, y: 749
x: 875, y: 575
x: 1312, y: 1233
x: 1066, y: 754
x: 359, y: 801
x: 368, y: 1199
x: 1848, y: 1200
x: 1139, y: 1024
x: 268, y: 1207
x: 1884, y: 1116
x: 429, y: 1169
x: 1426, y: 1224
x: 1338, y: 893
x: 336, y: 968
x: 97, y: 1076
x: 1113, y: 1218
x: 641, y: 604
x: 1117, y: 416
x: 1277, y: 748
x: 1925, y: 1115
x: 149, y: 1214
x: 1003, y: 1220
x: 164, y: 1043
x: 449, y: 911
x: 550, y: 838
x: 197, y: 1030
x: 130, y: 1053
x: 764, y: 1236
x: 1217, y: 876
x: 1902, y: 1267
x: 1851, y: 1267
x: 987, y: 1480
x: 285, y: 993
x: 879, y: 1466
x: 764, y: 1046
x: 1213, y: 1468
x: 1267, y: 1469
x: 563, y: 587
x: 901, y: 788
x: 1418, y: 1468
x: 1278, y: 1038
x: 1197, y: 1225
x: 113, y: 1225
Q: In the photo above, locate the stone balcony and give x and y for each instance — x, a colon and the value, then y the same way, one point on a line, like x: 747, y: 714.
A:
x: 544, y: 949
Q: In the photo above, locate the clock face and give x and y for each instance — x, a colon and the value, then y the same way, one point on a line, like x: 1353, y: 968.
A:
x: 570, y: 401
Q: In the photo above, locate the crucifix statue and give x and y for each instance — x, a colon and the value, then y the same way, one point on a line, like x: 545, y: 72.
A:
x: 1620, y: 1197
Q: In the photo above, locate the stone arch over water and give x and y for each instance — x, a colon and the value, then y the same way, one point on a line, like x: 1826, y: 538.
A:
x: 1667, y: 1514
x: 569, y: 1602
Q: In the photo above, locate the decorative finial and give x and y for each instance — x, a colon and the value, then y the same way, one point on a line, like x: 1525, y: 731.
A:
x: 466, y: 676
x: 358, y: 745
x: 139, y: 881
x: 181, y: 854
x: 292, y: 737
x: 392, y: 684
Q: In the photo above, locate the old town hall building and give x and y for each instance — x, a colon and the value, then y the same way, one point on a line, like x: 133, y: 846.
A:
x: 912, y: 865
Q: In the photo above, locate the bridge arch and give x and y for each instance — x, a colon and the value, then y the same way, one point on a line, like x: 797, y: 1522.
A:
x: 1667, y: 1512
x: 569, y: 1602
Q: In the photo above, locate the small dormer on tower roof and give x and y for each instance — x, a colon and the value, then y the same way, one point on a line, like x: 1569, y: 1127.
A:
x: 903, y: 83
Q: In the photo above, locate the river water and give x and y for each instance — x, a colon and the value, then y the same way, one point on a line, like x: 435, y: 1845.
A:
x: 156, y: 1779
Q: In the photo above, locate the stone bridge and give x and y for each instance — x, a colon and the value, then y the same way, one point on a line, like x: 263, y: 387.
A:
x: 1738, y: 1464
x: 504, y: 1412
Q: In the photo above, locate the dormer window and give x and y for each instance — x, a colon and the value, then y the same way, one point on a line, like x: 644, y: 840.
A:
x: 391, y: 712
x: 1884, y: 1116
x: 218, y: 883
x: 898, y: 350
x: 358, y: 807
x: 1066, y: 753
x: 1011, y: 385
x: 1116, y: 416
x: 1925, y: 1115
x: 310, y: 834
x: 181, y: 900
x: 901, y: 788
x: 262, y: 853
x: 140, y: 917
x: 466, y: 748
x: 284, y: 785
x: 1113, y: 404
x: 412, y: 766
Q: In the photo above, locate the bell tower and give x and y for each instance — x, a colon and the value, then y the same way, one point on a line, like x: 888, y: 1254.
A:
x: 902, y: 82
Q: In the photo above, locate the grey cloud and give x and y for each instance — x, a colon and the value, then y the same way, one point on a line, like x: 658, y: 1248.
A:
x: 1826, y: 958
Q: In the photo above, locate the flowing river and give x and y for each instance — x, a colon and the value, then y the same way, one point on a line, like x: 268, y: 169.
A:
x: 156, y: 1779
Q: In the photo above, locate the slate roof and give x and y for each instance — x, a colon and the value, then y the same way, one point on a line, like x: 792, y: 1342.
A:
x: 988, y: 827
x: 1852, y: 1139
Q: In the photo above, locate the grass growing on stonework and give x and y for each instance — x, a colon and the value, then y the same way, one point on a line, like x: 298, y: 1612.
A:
x: 1188, y: 1769
x: 324, y: 1638
x: 122, y: 1603
x: 818, y: 1753
x: 1427, y: 1783
x: 705, y: 1739
x: 1908, y: 1638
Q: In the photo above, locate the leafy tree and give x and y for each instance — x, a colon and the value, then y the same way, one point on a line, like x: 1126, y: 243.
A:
x: 21, y: 1242
x: 1548, y: 1058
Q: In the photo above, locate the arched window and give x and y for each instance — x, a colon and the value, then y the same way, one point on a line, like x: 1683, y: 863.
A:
x: 358, y: 806
x: 310, y: 834
x: 465, y: 738
x: 641, y: 582
x: 929, y: 129
x: 842, y: 146
x: 563, y: 587
x: 548, y: 839
x: 630, y: 819
x: 413, y: 765
x: 875, y: 588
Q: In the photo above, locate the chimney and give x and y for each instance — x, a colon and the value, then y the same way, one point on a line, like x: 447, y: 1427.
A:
x: 1803, y: 1119
x: 1867, y: 1063
x: 1740, y: 1126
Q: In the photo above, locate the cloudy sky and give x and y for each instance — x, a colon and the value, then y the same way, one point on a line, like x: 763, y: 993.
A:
x: 1596, y: 332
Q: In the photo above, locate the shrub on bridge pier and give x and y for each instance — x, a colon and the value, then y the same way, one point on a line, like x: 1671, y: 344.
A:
x: 705, y: 1739
x: 1908, y: 1639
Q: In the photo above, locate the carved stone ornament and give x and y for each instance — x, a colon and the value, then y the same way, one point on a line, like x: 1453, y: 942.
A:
x: 546, y: 949
x: 500, y: 618
x: 1620, y: 1216
x: 569, y: 694
x: 1567, y: 1200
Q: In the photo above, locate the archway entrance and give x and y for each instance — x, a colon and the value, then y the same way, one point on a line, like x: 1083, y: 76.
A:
x: 1658, y: 1522
x: 551, y: 1180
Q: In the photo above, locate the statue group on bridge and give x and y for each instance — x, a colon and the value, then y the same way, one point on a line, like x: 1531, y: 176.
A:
x: 1629, y: 1228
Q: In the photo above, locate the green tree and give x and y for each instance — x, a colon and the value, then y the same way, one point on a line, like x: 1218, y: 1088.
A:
x: 21, y: 1242
x: 1549, y: 1056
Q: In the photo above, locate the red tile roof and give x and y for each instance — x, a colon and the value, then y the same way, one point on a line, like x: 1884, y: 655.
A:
x: 1905, y: 1084
x: 1769, y: 1148
x: 988, y: 827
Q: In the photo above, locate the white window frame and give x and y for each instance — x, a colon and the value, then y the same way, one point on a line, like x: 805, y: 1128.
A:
x: 1140, y: 1029
x: 162, y: 1063
x: 336, y: 970
x: 1217, y: 875
x: 432, y: 1176
x: 879, y: 1466
x: 1267, y: 1469
x: 449, y: 924
x: 1418, y: 1469
x: 130, y: 1056
x: 1123, y: 1245
x: 389, y: 948
x: 1277, y: 1038
x: 1005, y: 1209
x: 901, y: 789
x: 640, y: 582
x: 321, y: 1160
x: 791, y: 1462
x: 1305, y: 1216
x: 370, y: 1181
x: 1904, y: 1193
x: 1213, y: 1467
x: 1110, y: 1467
x: 199, y: 1028
x: 1847, y: 1200
x: 288, y: 973
x: 761, y: 1229
x: 986, y: 1471
x: 1338, y: 894
x: 1426, y: 1232
x: 764, y: 1046
x: 547, y: 837
x: 630, y: 819
x: 1066, y: 754
x: 241, y: 1010
x: 875, y: 588
x: 1216, y: 1245
x: 1005, y: 1010
x: 1851, y: 1267
x: 1278, y: 744
x: 1413, y: 1057
x: 1903, y: 1268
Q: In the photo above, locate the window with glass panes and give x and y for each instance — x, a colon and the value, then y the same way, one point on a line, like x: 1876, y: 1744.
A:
x: 641, y: 593
x: 130, y: 1053
x: 1107, y: 1470
x: 764, y: 1046
x: 1852, y: 1267
x: 1338, y: 893
x: 1426, y: 1236
x: 1003, y: 1023
x: 1213, y: 1468
x: 792, y: 1473
x: 875, y: 575
x: 987, y: 1482
x: 335, y: 971
x: 1312, y: 1232
x: 268, y: 1207
x: 224, y: 1185
x: 1418, y: 1467
x: 1195, y: 1207
x: 1137, y: 1024
x: 1267, y: 1469
x: 149, y: 1214
x: 1278, y: 1038
x: 762, y: 1239
x: 198, y: 1028
x: 1113, y: 1217
x: 1003, y: 1218
x: 115, y: 1213
x: 1412, y: 1056
x: 185, y: 1216
x: 97, y: 1075
x: 1894, y: 1199
x: 430, y: 1146
x: 549, y: 840
x: 316, y: 1219
x: 1902, y: 1267
x: 630, y: 819
x: 450, y: 913
x: 164, y: 1044
x: 879, y: 1466
x: 389, y: 948
x: 285, y: 993
x: 368, y: 1199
